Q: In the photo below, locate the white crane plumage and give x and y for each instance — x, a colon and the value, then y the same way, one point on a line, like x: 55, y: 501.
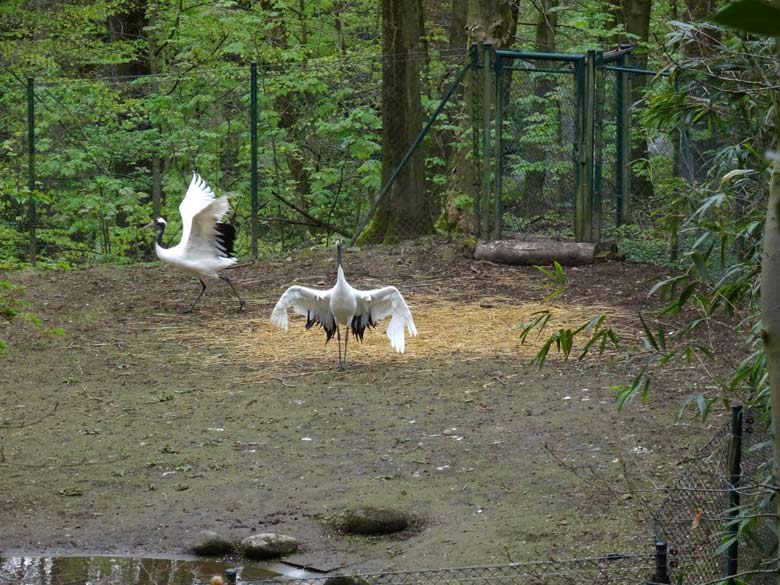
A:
x: 206, y: 245
x: 343, y: 305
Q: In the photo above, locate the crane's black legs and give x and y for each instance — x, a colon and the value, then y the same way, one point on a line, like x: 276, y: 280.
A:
x: 195, y: 302
x: 241, y: 303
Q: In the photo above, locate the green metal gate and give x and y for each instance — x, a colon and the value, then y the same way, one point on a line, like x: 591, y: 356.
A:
x: 561, y: 143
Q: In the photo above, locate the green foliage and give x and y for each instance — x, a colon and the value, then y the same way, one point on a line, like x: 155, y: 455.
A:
x: 597, y: 336
x: 557, y: 277
x: 108, y: 104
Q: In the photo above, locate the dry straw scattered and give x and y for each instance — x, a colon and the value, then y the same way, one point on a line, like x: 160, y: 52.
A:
x: 447, y: 330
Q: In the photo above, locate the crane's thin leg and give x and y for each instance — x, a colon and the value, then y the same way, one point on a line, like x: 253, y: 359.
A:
x: 195, y: 302
x: 346, y: 340
x: 338, y: 340
x: 241, y: 303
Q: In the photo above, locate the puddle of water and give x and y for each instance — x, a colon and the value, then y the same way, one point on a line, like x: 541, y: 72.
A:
x: 118, y: 570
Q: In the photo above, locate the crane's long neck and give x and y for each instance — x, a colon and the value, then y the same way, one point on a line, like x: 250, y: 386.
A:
x: 160, y: 233
x: 340, y: 278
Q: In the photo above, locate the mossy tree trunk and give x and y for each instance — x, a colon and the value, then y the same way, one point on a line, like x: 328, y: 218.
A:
x: 487, y: 21
x: 405, y: 211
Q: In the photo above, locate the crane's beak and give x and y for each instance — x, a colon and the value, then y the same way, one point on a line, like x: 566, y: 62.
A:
x: 148, y: 225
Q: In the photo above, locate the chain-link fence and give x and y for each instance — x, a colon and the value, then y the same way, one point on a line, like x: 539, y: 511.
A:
x: 716, y: 520
x: 536, y: 174
x: 617, y: 569
x: 500, y: 141
x: 702, y: 534
x: 87, y: 162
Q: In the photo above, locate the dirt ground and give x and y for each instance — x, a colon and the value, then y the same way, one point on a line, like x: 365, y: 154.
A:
x: 142, y: 425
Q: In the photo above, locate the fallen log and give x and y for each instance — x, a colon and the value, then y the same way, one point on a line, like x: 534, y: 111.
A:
x: 541, y: 253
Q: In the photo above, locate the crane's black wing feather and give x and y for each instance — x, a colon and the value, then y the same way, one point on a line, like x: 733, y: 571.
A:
x: 359, y: 324
x: 329, y: 325
x: 226, y: 237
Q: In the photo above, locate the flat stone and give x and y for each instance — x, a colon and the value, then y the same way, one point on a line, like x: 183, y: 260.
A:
x: 210, y: 543
x: 371, y: 521
x: 268, y: 545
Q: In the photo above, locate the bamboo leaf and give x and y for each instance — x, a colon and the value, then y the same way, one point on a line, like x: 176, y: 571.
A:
x: 753, y: 16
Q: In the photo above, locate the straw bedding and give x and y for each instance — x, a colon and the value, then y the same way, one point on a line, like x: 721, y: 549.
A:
x: 448, y: 330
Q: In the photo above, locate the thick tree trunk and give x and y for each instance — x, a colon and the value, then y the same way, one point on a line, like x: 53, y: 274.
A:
x: 770, y: 320
x: 535, y: 179
x: 636, y: 14
x: 405, y: 211
x: 537, y: 253
x: 457, y: 28
x: 129, y: 23
x: 487, y: 21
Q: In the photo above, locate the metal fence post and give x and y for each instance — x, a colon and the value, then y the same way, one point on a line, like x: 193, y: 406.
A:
x: 32, y: 212
x: 253, y: 152
x: 583, y: 205
x: 735, y: 472
x: 499, y: 164
x: 487, y: 99
x: 598, y: 142
x: 661, y: 563
x: 623, y: 158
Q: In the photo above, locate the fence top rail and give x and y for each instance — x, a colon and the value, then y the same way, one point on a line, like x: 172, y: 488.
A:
x: 639, y: 559
x: 538, y: 55
x: 635, y: 70
x: 540, y: 70
x: 614, y: 55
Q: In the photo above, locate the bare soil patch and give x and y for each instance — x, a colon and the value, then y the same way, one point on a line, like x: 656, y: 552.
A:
x: 143, y: 426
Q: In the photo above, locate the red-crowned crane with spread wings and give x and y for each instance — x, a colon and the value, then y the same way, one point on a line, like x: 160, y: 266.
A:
x: 345, y: 306
x: 206, y: 245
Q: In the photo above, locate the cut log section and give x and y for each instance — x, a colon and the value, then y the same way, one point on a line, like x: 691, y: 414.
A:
x: 544, y: 252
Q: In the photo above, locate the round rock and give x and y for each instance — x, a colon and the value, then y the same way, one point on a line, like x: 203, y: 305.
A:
x: 268, y: 545
x: 368, y: 520
x: 210, y: 543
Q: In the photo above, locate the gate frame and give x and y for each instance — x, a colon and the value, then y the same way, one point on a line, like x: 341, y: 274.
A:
x: 589, y: 70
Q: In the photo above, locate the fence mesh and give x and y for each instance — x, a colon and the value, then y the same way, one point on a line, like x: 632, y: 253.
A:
x: 538, y: 137
x: 112, y: 151
x: 107, y: 148
x: 695, y: 518
x: 618, y: 569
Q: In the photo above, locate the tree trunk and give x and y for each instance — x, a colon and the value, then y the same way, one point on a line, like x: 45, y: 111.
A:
x: 537, y: 253
x: 487, y: 21
x: 286, y: 106
x: 699, y: 11
x: 535, y: 179
x: 457, y: 28
x: 770, y: 320
x: 404, y: 212
x: 128, y: 22
x: 636, y: 14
